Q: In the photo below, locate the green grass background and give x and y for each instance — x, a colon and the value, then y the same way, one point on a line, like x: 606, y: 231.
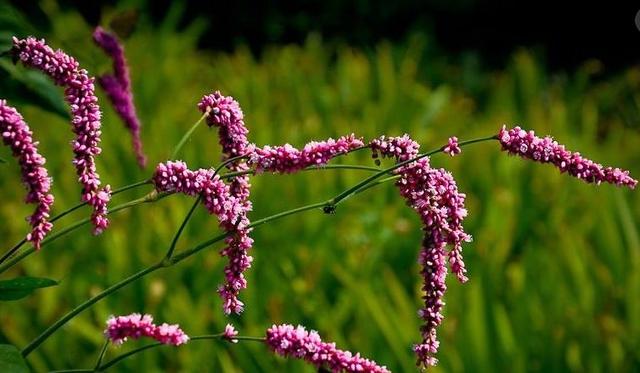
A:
x: 554, y: 266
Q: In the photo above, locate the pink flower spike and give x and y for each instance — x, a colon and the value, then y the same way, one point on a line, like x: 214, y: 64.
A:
x: 135, y: 326
x: 231, y: 213
x: 16, y: 134
x: 229, y: 333
x: 452, y: 148
x: 527, y: 145
x: 434, y: 195
x: 287, y: 159
x: 118, y: 88
x: 296, y: 342
x: 80, y: 95
x: 225, y: 113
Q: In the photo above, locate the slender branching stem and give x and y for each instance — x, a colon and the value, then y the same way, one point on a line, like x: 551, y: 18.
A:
x: 120, y: 358
x: 101, y: 356
x: 327, y: 206
x: 17, y: 246
x: 187, y: 135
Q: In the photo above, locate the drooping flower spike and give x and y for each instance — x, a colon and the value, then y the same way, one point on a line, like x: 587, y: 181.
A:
x: 79, y: 94
x: 217, y: 197
x: 526, y: 144
x: 296, y: 342
x: 287, y: 159
x: 121, y: 328
x: 16, y: 134
x: 434, y: 195
x: 225, y: 113
x: 118, y: 88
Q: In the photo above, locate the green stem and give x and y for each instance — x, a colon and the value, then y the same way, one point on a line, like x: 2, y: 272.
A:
x: 187, y: 135
x: 185, y: 254
x: 78, y: 224
x: 72, y: 371
x: 163, y: 264
x: 101, y: 356
x: 74, y: 226
x: 15, y: 248
x: 83, y: 306
x: 118, y: 359
x: 351, y: 191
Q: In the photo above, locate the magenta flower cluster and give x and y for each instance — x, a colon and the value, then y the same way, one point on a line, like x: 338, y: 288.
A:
x: 16, y: 134
x: 224, y: 112
x: 434, y: 195
x: 401, y: 148
x: 296, y: 342
x: 117, y: 86
x: 546, y: 150
x: 79, y: 93
x: 217, y: 198
x: 121, y: 328
x: 287, y: 159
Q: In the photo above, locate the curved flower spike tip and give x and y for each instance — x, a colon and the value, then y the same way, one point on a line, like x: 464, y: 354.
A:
x: 80, y: 95
x: 527, y: 145
x: 118, y: 88
x: 17, y: 135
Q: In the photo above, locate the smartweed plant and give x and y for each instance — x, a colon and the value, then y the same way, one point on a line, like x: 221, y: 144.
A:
x: 224, y: 190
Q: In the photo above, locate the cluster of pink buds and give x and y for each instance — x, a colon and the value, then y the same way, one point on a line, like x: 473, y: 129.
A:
x: 401, y: 148
x: 452, y: 148
x: 80, y: 95
x: 289, y: 341
x: 16, y: 134
x: 135, y: 326
x: 118, y: 88
x: 546, y: 150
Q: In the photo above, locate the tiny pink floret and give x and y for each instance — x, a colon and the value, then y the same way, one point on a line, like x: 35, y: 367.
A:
x: 230, y: 333
x: 452, y: 148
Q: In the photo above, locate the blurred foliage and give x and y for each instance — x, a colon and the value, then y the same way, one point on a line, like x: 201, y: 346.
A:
x: 554, y: 267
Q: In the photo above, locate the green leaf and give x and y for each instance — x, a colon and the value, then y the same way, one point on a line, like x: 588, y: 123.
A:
x: 11, y: 360
x: 20, y: 287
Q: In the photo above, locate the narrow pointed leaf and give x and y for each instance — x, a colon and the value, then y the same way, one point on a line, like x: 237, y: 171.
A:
x: 20, y: 287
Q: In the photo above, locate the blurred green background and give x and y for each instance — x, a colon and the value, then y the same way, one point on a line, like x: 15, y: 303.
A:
x: 555, y: 263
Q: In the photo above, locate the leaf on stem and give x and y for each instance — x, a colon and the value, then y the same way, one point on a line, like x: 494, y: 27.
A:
x: 11, y: 360
x: 20, y: 287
